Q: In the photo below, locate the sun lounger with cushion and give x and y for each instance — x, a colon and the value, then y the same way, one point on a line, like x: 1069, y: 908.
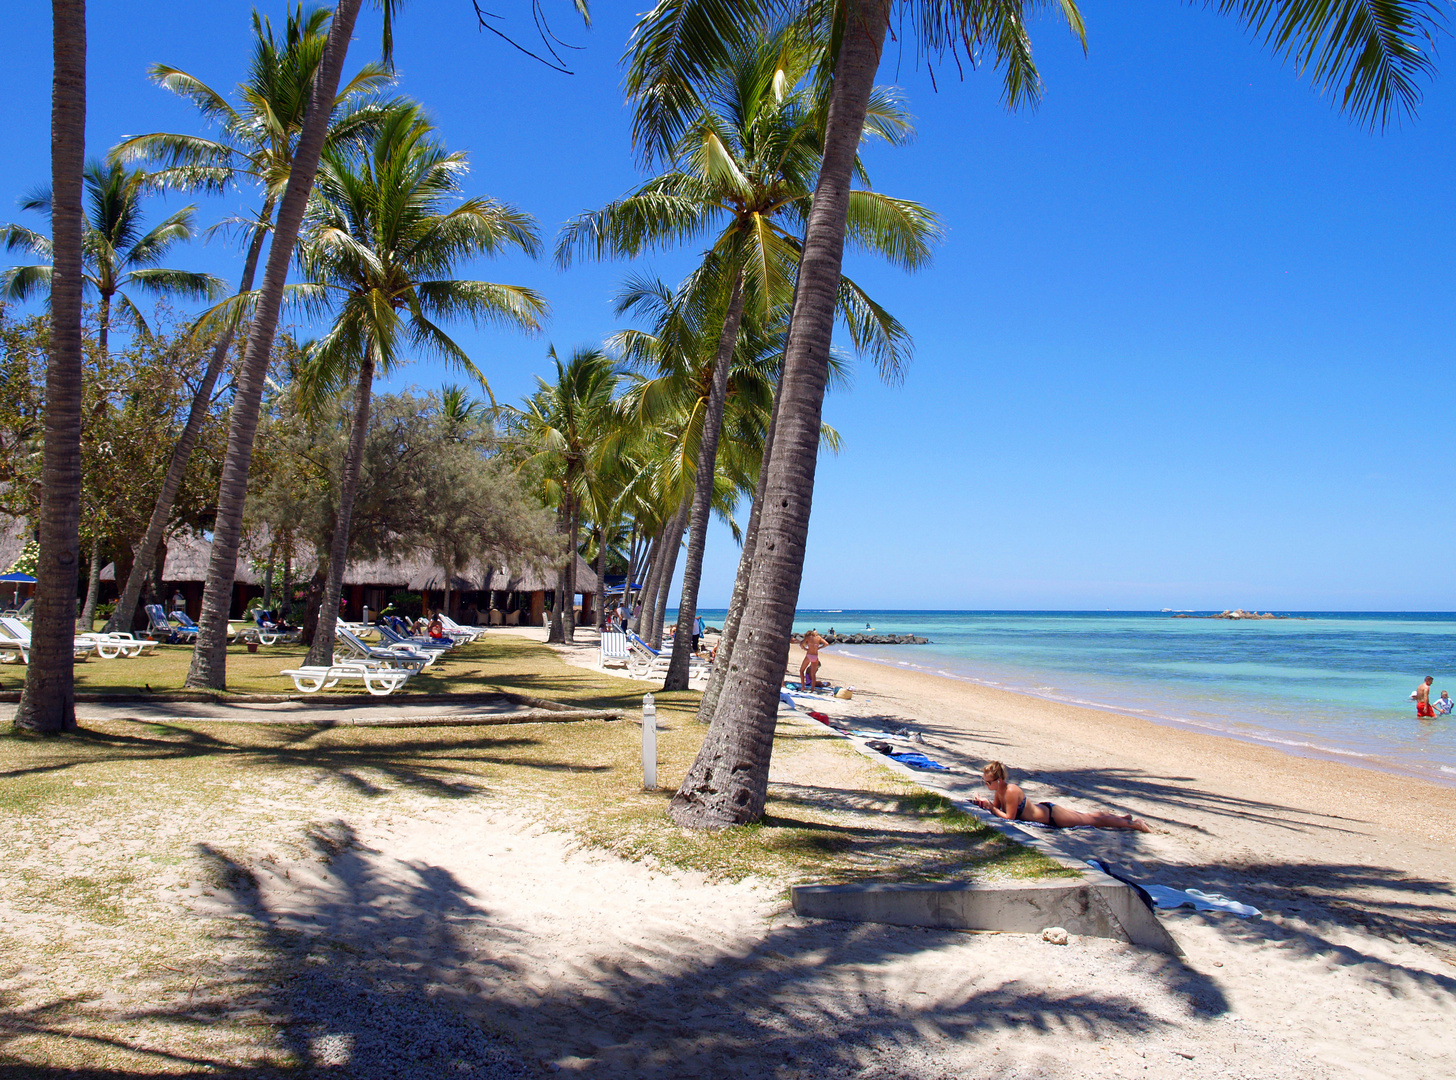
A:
x: 455, y: 630
x: 390, y: 636
x: 394, y: 656
x: 643, y: 661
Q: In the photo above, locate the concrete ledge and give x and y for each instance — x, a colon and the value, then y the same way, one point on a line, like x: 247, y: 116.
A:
x: 1103, y: 908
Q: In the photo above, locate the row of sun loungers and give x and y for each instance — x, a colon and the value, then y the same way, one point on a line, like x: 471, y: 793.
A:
x: 382, y: 668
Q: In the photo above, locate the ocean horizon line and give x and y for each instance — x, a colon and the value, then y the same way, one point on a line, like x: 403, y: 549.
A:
x: 1101, y: 611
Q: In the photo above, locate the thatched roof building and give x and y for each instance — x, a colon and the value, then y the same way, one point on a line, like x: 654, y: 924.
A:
x: 370, y: 582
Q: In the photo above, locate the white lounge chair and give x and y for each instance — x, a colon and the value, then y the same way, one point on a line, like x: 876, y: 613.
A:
x: 111, y: 645
x: 614, y: 649
x: 455, y: 630
x: 19, y: 633
x: 394, y: 656
x: 643, y: 661
x: 379, y: 681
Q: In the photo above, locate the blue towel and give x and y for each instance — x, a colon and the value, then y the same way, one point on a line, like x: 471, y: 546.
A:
x: 919, y: 761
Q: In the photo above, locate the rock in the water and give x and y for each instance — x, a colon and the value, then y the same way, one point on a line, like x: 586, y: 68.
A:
x: 1055, y: 935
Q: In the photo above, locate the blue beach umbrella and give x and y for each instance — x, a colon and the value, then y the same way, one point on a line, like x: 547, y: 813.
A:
x: 15, y: 581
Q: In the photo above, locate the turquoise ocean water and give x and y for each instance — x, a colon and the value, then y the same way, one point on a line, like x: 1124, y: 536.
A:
x: 1327, y: 684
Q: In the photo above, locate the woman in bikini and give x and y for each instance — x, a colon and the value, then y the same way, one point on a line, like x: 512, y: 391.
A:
x: 1010, y: 802
x: 809, y: 667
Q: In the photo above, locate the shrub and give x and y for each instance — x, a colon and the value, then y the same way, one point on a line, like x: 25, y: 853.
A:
x: 408, y: 604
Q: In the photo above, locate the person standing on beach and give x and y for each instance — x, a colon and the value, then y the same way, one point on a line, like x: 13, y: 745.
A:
x: 809, y: 669
x: 1423, y: 698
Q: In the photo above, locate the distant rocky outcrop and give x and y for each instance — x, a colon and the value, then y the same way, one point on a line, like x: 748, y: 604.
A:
x: 867, y: 639
x: 1238, y: 613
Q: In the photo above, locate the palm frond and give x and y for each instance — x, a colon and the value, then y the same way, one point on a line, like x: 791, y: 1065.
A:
x: 26, y: 282
x: 902, y: 232
x: 194, y: 286
x: 1372, y: 52
x: 875, y: 332
x: 672, y: 50
x: 19, y: 238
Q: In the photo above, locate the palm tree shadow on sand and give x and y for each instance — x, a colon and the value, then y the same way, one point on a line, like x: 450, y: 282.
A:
x: 381, y: 969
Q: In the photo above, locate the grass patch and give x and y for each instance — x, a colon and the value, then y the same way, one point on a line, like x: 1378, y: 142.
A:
x: 832, y: 814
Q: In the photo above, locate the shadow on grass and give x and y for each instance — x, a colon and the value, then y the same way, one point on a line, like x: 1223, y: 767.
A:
x: 424, y: 761
x: 386, y: 969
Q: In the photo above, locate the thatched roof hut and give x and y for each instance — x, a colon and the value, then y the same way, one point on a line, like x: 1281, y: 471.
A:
x: 187, y: 558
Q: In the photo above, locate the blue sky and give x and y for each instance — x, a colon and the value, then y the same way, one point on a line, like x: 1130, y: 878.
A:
x: 1188, y: 343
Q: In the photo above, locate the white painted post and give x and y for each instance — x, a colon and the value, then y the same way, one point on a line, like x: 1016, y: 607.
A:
x: 649, y: 744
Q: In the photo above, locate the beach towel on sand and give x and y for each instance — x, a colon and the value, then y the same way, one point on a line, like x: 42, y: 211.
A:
x: 1165, y: 897
x: 919, y: 761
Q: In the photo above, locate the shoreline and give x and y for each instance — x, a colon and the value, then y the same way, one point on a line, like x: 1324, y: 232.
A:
x: 1446, y: 777
x: 1260, y: 825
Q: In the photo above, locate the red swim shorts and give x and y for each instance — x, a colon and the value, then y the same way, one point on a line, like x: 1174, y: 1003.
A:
x: 1423, y: 708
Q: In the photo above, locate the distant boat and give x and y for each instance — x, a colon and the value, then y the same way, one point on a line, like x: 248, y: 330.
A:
x: 1167, y: 609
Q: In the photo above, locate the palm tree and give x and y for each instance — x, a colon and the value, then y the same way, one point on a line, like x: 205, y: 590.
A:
x: 383, y: 240
x: 748, y: 159
x: 1371, y: 50
x: 48, y: 704
x: 117, y: 254
x: 209, y: 658
x: 255, y: 147
x: 568, y: 428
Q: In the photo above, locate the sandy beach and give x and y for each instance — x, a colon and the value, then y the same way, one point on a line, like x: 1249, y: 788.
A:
x: 1225, y: 812
x: 422, y: 921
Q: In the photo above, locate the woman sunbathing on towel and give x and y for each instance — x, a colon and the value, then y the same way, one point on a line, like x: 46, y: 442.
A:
x: 1010, y: 803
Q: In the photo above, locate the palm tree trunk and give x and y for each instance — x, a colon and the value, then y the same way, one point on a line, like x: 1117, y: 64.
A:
x: 321, y: 652
x: 209, y: 659
x: 728, y: 782
x: 103, y: 325
x: 723, y: 660
x: 287, y: 604
x: 601, y: 579
x: 445, y: 601
x: 268, y: 576
x: 669, y: 570
x: 557, y: 633
x: 48, y: 703
x: 641, y: 567
x: 647, y: 603
x: 121, y: 618
x: 687, y: 608
x: 568, y: 608
x: 85, y: 621
x: 312, y: 600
